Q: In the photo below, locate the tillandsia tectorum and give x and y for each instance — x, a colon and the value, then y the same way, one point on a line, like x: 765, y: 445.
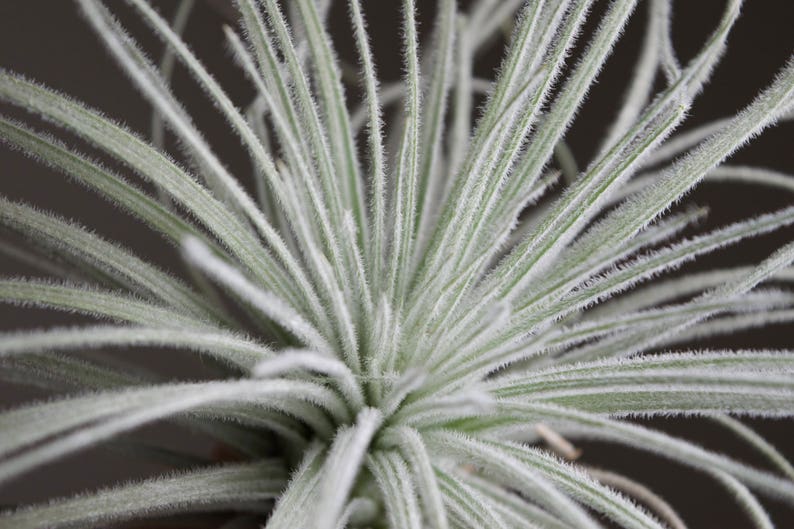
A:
x: 402, y: 336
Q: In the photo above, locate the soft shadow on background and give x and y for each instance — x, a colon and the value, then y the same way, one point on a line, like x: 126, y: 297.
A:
x: 49, y: 42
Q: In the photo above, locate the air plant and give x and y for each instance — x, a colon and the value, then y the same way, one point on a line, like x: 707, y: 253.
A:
x: 403, y: 335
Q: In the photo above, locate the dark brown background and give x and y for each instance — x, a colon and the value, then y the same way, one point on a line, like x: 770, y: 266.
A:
x: 48, y: 41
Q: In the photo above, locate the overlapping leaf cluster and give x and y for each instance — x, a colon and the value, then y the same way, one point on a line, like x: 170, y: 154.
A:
x: 421, y: 324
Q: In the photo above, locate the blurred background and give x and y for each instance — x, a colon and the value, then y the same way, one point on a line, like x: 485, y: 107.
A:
x: 49, y: 42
